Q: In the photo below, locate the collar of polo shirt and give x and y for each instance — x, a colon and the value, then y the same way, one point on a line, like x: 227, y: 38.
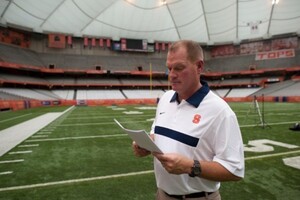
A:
x: 197, y: 97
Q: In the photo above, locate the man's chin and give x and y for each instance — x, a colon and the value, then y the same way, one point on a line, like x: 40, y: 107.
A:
x: 175, y: 87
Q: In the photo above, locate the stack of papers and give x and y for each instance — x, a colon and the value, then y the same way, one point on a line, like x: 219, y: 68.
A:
x: 141, y: 138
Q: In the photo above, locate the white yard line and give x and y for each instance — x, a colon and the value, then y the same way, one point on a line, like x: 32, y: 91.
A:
x: 19, y: 152
x: 117, y: 135
x: 117, y: 175
x: 105, y: 123
x: 75, y: 181
x: 75, y: 138
x: 43, y: 133
x: 5, y: 173
x: 103, y: 136
x: 28, y: 145
x: 11, y: 161
x: 272, y: 155
x: 11, y: 137
x: 99, y: 117
x: 14, y: 118
x: 39, y: 136
x: 266, y: 124
x: 97, y: 123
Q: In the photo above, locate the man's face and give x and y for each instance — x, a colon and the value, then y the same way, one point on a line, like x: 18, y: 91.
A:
x: 183, y: 74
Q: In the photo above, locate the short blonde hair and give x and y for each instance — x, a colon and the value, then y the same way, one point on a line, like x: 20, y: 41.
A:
x: 193, y: 49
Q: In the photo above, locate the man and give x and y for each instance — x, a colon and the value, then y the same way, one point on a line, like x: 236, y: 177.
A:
x: 197, y: 131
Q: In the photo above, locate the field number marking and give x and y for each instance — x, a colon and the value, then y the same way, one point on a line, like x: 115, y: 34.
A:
x: 292, y: 162
x: 262, y: 145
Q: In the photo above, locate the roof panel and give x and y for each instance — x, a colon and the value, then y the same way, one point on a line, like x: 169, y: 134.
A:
x: 15, y: 15
x: 185, y: 12
x: 135, y: 18
x: 198, y: 33
x: 67, y: 19
x: 218, y: 21
x: 289, y: 26
x: 93, y: 7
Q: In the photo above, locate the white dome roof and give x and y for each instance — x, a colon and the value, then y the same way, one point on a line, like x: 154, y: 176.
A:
x: 205, y: 21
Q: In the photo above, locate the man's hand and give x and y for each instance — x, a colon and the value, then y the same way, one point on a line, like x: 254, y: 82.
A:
x: 138, y: 151
x: 175, y: 163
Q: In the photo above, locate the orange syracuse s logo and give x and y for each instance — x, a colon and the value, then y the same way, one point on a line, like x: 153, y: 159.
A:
x: 196, y: 119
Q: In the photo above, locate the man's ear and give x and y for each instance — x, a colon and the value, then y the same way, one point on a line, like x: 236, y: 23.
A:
x: 200, y: 65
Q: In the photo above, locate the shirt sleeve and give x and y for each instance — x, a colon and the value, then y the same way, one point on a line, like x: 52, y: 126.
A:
x: 228, y: 145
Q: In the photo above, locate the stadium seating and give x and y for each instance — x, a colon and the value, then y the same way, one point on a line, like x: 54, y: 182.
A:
x: 126, y: 75
x: 30, y: 93
x: 146, y: 94
x: 242, y: 92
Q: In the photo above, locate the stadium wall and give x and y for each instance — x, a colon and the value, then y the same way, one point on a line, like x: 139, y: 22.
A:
x: 26, y: 104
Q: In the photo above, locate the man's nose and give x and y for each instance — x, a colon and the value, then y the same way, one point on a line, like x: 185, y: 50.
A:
x: 172, y: 73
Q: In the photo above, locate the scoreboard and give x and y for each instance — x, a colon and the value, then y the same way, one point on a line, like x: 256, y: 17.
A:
x: 137, y: 45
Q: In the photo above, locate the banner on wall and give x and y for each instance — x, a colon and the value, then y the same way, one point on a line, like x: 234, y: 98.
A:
x: 81, y: 103
x: 46, y: 103
x: 286, y: 53
x: 57, y: 41
x: 254, y: 47
x: 14, y: 37
x: 225, y: 50
x: 285, y: 43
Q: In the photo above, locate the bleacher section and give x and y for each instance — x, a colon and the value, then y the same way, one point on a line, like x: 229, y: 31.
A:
x: 145, y: 94
x: 61, y: 80
x: 285, y: 88
x: 29, y: 93
x: 10, y: 53
x: 7, y: 96
x: 242, y: 92
x: 18, y: 55
x: 25, y: 74
x: 99, y: 94
x: 64, y: 94
x: 118, y: 62
x: 22, y: 78
x: 97, y: 81
x: 132, y: 81
x: 242, y: 62
x: 288, y: 88
x: 221, y: 92
x: 291, y: 90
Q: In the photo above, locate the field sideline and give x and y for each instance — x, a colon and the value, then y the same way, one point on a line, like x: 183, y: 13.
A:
x: 84, y: 155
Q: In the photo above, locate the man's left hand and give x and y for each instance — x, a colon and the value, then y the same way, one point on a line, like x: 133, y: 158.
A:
x: 175, y: 163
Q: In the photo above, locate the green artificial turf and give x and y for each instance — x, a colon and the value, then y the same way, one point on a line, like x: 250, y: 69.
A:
x: 87, y: 156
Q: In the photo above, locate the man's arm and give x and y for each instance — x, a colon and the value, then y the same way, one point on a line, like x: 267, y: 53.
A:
x: 211, y: 170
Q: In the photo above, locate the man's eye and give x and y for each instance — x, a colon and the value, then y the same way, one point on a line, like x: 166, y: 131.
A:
x: 179, y: 68
x: 176, y: 68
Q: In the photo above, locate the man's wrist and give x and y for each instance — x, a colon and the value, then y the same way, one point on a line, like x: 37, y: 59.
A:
x: 195, y: 169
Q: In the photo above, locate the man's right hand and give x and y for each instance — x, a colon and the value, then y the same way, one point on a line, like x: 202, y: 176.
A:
x: 138, y: 151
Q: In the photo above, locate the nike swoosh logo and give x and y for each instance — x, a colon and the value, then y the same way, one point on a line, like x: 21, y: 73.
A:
x: 162, y: 113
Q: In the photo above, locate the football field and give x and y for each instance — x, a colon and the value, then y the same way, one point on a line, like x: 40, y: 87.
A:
x: 83, y: 154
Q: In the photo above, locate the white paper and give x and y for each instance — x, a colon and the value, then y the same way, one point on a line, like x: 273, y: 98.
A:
x: 141, y: 138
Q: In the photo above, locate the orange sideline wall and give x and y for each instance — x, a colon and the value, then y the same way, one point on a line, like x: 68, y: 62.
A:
x: 21, y: 104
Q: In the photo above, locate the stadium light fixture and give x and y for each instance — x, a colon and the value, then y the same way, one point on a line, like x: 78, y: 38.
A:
x: 163, y: 2
x: 275, y: 2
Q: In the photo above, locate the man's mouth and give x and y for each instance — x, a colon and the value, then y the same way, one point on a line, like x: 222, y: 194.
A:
x: 175, y: 82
